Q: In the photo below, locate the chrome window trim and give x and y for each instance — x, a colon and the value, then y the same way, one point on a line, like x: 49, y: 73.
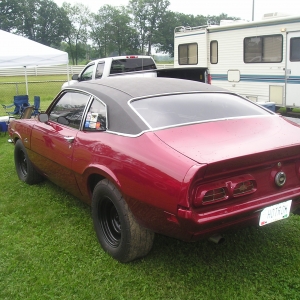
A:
x: 192, y: 92
x: 92, y: 96
x: 187, y: 124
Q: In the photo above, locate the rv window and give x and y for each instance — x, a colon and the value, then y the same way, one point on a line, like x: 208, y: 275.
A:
x: 188, y: 54
x: 214, y: 52
x: 295, y: 49
x: 263, y: 49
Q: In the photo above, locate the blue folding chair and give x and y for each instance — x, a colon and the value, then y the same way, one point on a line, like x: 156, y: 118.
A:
x: 37, y: 102
x: 20, y: 103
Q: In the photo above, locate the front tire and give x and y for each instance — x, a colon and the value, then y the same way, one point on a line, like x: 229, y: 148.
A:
x: 25, y: 170
x: 117, y: 231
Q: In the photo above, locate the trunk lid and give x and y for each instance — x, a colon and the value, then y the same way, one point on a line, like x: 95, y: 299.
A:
x: 235, y: 143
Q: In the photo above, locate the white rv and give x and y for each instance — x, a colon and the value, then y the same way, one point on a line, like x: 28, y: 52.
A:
x: 259, y: 60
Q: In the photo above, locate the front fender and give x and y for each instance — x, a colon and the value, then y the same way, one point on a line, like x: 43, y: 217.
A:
x: 21, y: 129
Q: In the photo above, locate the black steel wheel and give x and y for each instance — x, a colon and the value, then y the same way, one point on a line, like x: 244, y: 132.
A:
x: 118, y: 232
x: 110, y: 222
x: 25, y: 170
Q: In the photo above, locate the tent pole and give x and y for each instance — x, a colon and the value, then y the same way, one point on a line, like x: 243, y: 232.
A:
x: 68, y: 71
x: 26, y: 80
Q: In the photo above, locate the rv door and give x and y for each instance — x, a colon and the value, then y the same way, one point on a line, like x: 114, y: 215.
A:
x: 293, y: 70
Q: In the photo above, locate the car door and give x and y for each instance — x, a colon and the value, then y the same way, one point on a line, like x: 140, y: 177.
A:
x: 53, y: 142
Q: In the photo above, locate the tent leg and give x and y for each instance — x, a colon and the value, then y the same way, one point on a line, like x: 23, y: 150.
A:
x: 26, y: 80
x: 68, y: 74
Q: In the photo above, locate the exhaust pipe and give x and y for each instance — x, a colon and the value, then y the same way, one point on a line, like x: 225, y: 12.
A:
x: 217, y: 239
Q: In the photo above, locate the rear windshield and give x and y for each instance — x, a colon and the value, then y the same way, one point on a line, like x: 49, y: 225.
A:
x: 131, y: 65
x: 178, y: 109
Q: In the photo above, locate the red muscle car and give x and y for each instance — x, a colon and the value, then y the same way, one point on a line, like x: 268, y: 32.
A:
x: 159, y: 155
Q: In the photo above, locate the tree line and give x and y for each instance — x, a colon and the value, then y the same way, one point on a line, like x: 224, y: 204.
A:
x: 112, y: 30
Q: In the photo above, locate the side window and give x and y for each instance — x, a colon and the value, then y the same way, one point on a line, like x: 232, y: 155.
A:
x: 188, y: 54
x: 263, y: 49
x: 69, y: 109
x: 117, y: 66
x: 99, y: 70
x: 214, y: 52
x: 87, y: 73
x: 295, y: 49
x: 96, y: 117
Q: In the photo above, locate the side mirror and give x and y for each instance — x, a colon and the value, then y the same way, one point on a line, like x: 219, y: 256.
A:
x: 75, y: 77
x: 42, y: 117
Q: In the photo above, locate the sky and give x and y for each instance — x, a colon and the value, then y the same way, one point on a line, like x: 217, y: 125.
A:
x: 233, y: 8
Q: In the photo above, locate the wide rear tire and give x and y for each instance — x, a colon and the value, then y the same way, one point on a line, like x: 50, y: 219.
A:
x: 25, y: 170
x: 118, y: 232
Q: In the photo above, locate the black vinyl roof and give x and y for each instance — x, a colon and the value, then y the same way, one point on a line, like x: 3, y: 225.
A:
x: 116, y: 92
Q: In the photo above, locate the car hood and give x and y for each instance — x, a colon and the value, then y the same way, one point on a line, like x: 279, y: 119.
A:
x: 225, y: 140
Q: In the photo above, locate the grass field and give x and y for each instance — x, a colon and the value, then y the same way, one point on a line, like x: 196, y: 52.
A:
x: 48, y: 250
x: 47, y: 87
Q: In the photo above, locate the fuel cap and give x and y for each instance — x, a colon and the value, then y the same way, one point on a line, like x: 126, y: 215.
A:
x: 280, y: 178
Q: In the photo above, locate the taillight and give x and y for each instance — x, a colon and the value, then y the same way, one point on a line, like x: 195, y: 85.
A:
x: 244, y: 188
x: 214, y: 195
x: 224, y: 190
x: 132, y: 56
x: 206, y: 195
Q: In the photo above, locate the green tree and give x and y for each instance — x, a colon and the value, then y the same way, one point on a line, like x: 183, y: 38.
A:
x: 8, y: 14
x: 147, y: 17
x: 52, y: 24
x: 111, y: 31
x: 164, y: 36
x: 77, y: 34
x: 39, y: 20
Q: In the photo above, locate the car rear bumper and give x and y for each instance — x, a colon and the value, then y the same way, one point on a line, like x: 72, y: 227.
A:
x: 201, y: 224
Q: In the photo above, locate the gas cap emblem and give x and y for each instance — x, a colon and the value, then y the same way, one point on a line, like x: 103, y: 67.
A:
x: 280, y: 178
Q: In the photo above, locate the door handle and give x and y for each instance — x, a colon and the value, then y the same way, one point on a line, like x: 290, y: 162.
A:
x: 69, y: 139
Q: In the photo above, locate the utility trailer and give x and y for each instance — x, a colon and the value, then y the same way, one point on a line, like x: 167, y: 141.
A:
x: 259, y: 60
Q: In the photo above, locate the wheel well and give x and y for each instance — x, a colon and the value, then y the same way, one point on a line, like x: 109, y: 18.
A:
x: 16, y: 139
x: 93, y: 180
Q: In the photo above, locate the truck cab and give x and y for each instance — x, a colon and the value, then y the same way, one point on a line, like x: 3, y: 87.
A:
x: 110, y: 66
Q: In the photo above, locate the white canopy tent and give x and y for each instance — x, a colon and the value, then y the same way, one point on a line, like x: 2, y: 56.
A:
x: 18, y: 51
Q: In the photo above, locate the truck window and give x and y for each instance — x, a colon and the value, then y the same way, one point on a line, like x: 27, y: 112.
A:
x: 87, y: 74
x: 99, y: 70
x: 188, y: 54
x: 263, y: 49
x: 214, y: 52
x: 131, y: 65
x: 295, y: 49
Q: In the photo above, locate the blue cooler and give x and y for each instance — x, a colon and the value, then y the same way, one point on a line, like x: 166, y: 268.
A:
x: 3, y: 127
x: 4, y: 123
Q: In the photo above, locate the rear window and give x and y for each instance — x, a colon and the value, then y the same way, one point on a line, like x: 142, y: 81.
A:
x: 131, y: 65
x: 179, y: 109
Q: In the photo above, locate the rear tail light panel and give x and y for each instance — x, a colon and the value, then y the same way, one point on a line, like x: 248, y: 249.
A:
x: 223, y: 190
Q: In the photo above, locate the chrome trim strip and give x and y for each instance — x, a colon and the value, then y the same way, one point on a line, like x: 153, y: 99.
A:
x: 272, y: 114
x: 187, y: 124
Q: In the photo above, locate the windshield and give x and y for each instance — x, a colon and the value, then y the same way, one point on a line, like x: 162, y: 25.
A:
x: 178, y: 109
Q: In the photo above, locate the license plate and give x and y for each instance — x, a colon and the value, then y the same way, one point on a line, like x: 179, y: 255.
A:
x: 275, y: 213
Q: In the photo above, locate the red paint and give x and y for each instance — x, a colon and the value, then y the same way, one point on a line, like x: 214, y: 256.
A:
x: 161, y: 173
